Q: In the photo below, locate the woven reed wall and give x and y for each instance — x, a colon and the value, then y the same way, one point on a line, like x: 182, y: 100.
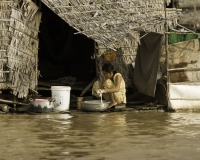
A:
x: 21, y: 51
x: 5, y: 11
x: 125, y: 56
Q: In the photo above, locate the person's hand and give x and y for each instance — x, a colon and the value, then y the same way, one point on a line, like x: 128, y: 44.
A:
x: 99, y: 92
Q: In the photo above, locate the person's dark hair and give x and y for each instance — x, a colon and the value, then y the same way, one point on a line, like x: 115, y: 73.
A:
x: 108, y: 67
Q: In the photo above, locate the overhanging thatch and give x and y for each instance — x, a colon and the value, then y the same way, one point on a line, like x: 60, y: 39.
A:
x: 109, y: 22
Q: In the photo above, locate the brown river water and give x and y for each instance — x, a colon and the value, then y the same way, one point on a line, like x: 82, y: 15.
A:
x: 129, y: 135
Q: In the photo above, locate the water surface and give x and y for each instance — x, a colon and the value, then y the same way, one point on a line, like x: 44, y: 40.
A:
x: 100, y: 136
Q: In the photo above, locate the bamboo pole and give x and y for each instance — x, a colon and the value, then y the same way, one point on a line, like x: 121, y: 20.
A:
x: 12, y: 102
x: 183, y: 69
x: 33, y: 90
x: 88, y: 86
x: 193, y: 83
x: 181, y: 33
x: 5, y: 20
x: 166, y: 51
x: 96, y: 50
x: 186, y: 28
x: 36, y: 74
x: 15, y: 103
x: 5, y: 71
x: 185, y: 99
x: 6, y: 1
x: 172, y: 1
x: 195, y: 11
x: 3, y: 81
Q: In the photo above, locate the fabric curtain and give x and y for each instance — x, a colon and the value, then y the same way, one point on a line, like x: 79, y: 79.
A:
x: 147, y: 63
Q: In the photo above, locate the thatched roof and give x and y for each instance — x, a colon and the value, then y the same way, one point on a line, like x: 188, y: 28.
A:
x: 109, y: 22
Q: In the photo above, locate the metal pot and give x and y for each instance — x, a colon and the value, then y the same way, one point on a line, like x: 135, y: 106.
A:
x: 41, y: 105
x: 94, y: 105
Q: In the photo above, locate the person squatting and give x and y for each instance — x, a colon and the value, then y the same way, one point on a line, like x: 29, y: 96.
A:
x: 112, y: 88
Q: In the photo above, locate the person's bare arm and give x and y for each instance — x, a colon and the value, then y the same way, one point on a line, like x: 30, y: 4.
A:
x: 117, y: 87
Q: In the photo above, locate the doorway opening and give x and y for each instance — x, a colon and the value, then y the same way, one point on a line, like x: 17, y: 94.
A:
x: 63, y: 56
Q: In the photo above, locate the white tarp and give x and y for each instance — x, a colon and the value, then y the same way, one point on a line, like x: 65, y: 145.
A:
x: 184, y: 96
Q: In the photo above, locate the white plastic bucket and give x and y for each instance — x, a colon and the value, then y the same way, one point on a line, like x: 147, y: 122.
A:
x: 61, y: 97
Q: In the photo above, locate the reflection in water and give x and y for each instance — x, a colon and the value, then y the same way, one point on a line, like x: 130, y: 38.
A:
x: 109, y: 136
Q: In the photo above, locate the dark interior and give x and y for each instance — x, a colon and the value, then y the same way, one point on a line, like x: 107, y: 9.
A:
x: 63, y: 53
x: 64, y: 48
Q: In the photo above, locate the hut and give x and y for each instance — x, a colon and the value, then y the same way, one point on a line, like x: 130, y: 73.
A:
x: 81, y: 35
x: 115, y: 27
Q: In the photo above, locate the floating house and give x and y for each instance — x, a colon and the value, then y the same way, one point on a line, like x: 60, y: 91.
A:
x: 153, y: 43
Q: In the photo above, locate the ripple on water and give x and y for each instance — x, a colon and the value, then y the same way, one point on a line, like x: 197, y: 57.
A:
x: 110, y: 136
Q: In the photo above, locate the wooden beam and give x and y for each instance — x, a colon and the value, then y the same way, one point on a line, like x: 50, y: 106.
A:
x: 12, y: 102
x: 88, y: 86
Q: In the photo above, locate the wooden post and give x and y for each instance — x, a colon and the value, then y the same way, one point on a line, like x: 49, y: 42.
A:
x: 88, y: 86
x: 173, y: 5
x: 36, y: 74
x: 15, y: 103
x: 195, y: 11
x: 166, y: 52
x: 12, y: 102
x: 96, y: 50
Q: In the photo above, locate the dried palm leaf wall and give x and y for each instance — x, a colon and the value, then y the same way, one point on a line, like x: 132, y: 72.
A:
x: 21, y: 55
x: 5, y: 38
x: 125, y: 56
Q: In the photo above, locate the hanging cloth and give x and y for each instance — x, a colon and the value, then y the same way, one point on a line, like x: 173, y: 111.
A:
x: 147, y: 63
